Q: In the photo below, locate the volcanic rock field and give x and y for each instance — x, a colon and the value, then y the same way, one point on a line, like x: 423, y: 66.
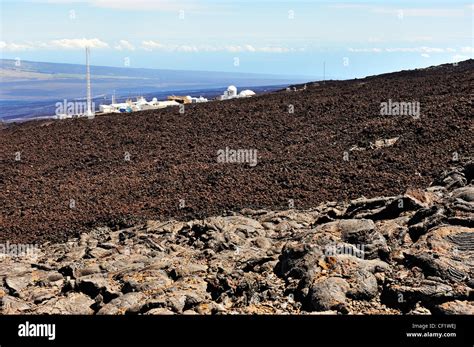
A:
x: 405, y: 254
x: 346, y: 210
x: 116, y: 170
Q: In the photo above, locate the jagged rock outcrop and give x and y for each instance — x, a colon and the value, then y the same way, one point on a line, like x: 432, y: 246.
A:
x: 412, y: 254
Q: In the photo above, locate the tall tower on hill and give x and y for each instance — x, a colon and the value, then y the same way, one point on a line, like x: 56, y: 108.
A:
x: 90, y: 113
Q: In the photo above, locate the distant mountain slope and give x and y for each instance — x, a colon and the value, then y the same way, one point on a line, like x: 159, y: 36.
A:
x: 33, y: 88
x: 68, y: 69
x: 41, y: 81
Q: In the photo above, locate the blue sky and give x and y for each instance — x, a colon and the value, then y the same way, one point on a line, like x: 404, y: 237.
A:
x: 353, y: 38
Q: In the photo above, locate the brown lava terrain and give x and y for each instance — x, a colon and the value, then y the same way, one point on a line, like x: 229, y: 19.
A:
x: 173, y: 156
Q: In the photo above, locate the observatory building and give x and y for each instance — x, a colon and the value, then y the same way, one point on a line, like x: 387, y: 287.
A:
x: 231, y: 93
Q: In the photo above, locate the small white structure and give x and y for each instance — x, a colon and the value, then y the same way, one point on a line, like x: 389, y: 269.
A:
x: 166, y: 103
x: 231, y: 93
x: 246, y: 93
x: 140, y: 105
x: 116, y: 108
x: 198, y: 100
x: 106, y: 108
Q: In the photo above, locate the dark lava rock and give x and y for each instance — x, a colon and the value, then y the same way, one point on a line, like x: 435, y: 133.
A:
x: 328, y: 293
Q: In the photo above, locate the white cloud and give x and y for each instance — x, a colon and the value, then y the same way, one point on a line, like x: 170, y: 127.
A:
x: 234, y: 49
x: 187, y: 48
x: 209, y: 48
x: 124, y: 45
x: 147, y: 45
x: 252, y: 49
x: 77, y: 43
x: 155, y: 45
x: 365, y: 50
x: 416, y: 49
x: 14, y: 47
x: 274, y: 50
x: 425, y: 55
x: 151, y: 45
x: 53, y: 44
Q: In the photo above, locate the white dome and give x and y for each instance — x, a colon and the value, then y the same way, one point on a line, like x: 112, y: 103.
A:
x: 246, y: 92
x: 232, y: 90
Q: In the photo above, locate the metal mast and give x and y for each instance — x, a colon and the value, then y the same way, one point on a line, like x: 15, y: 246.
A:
x: 324, y: 71
x: 88, y: 81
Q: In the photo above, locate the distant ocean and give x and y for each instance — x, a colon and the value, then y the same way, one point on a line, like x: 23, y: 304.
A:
x: 20, y: 110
